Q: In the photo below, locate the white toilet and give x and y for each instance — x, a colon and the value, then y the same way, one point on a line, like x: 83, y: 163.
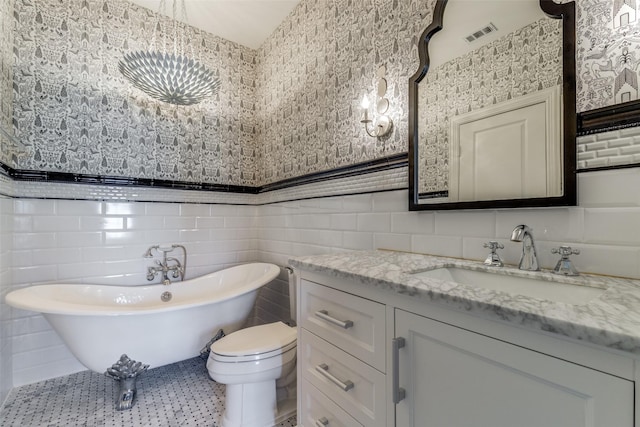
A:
x: 258, y: 367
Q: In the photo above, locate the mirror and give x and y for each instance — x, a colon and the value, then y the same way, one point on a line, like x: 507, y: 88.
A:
x: 492, y: 111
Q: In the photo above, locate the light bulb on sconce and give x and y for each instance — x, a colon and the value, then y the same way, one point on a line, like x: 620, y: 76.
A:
x: 382, y: 123
x: 365, y: 107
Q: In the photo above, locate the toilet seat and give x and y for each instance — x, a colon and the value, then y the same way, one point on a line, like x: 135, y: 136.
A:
x: 254, y: 343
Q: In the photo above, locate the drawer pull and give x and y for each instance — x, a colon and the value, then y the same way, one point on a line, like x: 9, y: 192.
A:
x: 324, y: 315
x: 323, y: 369
x: 322, y: 422
x: 398, y: 392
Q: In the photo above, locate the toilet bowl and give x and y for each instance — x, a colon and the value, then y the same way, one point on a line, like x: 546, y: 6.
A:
x: 257, y: 365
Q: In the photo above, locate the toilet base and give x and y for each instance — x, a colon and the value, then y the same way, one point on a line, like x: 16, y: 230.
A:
x: 263, y: 410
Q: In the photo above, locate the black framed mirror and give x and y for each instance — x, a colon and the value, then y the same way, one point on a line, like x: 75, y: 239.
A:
x: 492, y: 107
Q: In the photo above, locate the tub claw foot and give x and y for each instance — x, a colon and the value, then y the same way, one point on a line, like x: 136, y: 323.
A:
x: 126, y: 372
x: 204, y: 353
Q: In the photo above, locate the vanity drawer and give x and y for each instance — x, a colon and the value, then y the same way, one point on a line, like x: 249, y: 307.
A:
x: 356, y: 325
x: 317, y: 410
x: 353, y: 385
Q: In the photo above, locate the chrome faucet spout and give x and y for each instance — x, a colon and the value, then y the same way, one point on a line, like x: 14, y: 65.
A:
x: 148, y: 253
x: 529, y: 258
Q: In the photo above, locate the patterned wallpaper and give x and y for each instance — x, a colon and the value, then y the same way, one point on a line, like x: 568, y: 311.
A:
x: 608, y: 52
x: 75, y: 112
x: 6, y: 79
x: 520, y: 63
x: 313, y: 72
x: 288, y: 109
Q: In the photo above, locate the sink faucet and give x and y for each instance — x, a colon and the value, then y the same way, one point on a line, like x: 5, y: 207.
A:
x: 529, y: 259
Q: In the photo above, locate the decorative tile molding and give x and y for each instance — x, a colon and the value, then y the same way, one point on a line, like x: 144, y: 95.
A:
x: 605, y: 119
x: 6, y: 185
x: 385, y: 180
x: 381, y: 175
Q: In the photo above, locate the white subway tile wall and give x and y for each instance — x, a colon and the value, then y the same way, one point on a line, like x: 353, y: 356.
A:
x: 6, y: 315
x: 103, y: 242
x: 605, y: 226
x: 613, y: 148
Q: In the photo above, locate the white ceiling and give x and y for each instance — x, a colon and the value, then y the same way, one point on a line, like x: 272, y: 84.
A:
x: 247, y: 22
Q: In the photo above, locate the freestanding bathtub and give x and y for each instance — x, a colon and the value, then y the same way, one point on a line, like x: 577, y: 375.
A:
x: 99, y: 323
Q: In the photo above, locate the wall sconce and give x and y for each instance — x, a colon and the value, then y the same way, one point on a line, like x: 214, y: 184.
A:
x: 382, y: 123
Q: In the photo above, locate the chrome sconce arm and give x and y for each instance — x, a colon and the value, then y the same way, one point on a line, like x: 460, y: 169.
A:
x: 382, y: 126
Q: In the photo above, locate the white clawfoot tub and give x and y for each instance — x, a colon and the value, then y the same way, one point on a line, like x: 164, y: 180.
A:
x: 99, y: 323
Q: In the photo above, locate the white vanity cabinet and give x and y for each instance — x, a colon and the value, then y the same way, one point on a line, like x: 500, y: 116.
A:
x: 448, y: 369
x: 457, y: 378
x: 341, y: 355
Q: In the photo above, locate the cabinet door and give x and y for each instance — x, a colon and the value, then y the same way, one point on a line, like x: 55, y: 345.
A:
x: 457, y: 378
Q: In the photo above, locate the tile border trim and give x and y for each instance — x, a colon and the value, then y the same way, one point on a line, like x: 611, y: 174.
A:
x: 384, y: 174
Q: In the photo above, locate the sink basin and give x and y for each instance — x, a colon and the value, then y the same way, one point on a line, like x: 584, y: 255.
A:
x: 532, y: 287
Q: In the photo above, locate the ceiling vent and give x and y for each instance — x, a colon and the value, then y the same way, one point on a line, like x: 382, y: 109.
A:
x: 487, y: 29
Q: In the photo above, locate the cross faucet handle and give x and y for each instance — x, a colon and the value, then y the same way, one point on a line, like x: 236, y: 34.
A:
x: 493, y: 259
x: 565, y: 251
x: 564, y: 265
x: 493, y: 245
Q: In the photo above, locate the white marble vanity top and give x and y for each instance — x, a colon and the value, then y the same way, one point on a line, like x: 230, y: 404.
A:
x: 611, y: 320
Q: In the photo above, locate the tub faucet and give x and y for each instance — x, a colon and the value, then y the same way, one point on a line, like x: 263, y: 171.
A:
x: 529, y: 259
x: 167, y: 265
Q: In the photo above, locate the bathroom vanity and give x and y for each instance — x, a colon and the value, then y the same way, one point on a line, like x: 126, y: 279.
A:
x: 384, y: 339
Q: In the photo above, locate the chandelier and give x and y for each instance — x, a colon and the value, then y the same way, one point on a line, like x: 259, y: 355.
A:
x: 169, y: 77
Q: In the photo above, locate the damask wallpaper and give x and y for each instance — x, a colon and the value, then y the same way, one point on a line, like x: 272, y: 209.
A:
x: 313, y: 72
x: 6, y: 80
x: 287, y: 109
x: 75, y: 112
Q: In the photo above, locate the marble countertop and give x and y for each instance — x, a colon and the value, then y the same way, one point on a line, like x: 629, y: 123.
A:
x: 612, y: 319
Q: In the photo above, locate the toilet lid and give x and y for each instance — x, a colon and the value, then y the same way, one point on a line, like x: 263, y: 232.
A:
x: 256, y: 341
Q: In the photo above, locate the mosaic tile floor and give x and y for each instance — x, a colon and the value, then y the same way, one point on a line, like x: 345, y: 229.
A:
x: 180, y: 394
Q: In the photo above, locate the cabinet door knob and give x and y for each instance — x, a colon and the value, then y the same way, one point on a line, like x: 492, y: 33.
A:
x: 324, y: 315
x: 398, y: 393
x: 323, y: 369
x: 322, y: 422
